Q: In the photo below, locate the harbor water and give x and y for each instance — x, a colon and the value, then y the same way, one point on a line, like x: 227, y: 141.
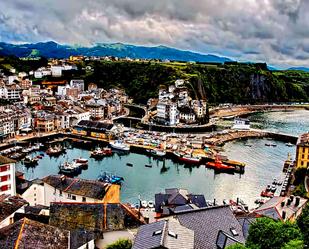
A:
x: 263, y: 163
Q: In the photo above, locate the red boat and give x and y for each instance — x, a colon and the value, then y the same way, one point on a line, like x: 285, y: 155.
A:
x: 218, y: 165
x: 265, y: 193
x: 189, y: 159
x: 107, y: 151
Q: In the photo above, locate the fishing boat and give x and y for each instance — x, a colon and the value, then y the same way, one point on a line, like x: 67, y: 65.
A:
x: 265, y: 193
x: 70, y: 168
x: 30, y: 161
x: 55, y: 151
x: 219, y: 166
x: 144, y: 204
x: 157, y: 153
x: 110, y: 178
x: 289, y: 144
x: 190, y: 159
x: 100, y: 153
x: 119, y: 145
x: 82, y: 161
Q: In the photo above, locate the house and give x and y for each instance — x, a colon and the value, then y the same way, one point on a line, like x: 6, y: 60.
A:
x: 7, y: 176
x: 9, y: 205
x: 302, y: 151
x: 175, y: 199
x: 282, y: 208
x: 212, y: 228
x: 92, y: 219
x: 26, y: 233
x: 57, y: 188
x: 79, y: 84
x: 169, y: 234
x: 93, y: 128
x: 56, y: 71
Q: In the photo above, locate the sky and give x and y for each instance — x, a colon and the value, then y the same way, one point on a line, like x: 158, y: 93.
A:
x: 272, y: 31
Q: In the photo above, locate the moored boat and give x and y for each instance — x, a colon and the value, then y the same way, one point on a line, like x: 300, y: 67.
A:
x: 119, y: 145
x: 190, y: 159
x: 219, y: 166
x: 70, y: 168
x: 30, y: 161
x: 55, y: 151
x: 100, y: 153
x: 110, y: 178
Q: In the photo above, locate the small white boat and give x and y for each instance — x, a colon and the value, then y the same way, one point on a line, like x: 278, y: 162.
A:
x: 150, y: 204
x: 289, y: 144
x: 118, y: 145
x: 144, y: 204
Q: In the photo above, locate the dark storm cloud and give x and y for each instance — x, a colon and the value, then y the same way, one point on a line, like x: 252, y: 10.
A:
x: 271, y: 30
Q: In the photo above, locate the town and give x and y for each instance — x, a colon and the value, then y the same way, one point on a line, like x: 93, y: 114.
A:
x: 44, y: 116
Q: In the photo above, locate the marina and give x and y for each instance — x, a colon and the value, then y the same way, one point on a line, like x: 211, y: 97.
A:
x: 146, y: 171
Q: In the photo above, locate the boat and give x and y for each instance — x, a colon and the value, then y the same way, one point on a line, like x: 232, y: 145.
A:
x: 82, y: 161
x: 100, y: 153
x: 110, y: 178
x: 130, y: 164
x: 289, y: 144
x: 150, y: 204
x: 70, y: 168
x: 219, y: 166
x: 119, y: 145
x: 273, y: 189
x: 189, y: 159
x: 30, y: 161
x: 157, y: 153
x: 268, y: 194
x: 144, y: 204
x: 55, y: 151
x: 148, y: 165
x: 241, y: 124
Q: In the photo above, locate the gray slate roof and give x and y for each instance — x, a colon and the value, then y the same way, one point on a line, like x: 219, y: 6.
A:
x: 170, y: 235
x: 207, y: 222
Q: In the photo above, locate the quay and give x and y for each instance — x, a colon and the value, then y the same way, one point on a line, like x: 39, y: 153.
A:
x: 230, y: 135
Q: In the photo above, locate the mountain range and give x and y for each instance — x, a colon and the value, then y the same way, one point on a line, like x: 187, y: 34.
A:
x: 52, y: 49
x: 55, y: 50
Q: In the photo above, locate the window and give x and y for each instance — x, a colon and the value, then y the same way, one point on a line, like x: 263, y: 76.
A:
x: 158, y: 232
x: 172, y: 234
x: 60, y: 193
x: 73, y: 197
x: 4, y: 168
x: 233, y: 231
x: 84, y: 199
x: 5, y: 187
x: 69, y: 196
x: 34, y: 195
x: 5, y: 178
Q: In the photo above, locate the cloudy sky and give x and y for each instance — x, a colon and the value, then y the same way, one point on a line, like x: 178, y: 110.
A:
x: 275, y: 31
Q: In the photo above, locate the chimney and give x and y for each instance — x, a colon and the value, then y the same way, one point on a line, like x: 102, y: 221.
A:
x: 283, y: 215
x: 297, y: 201
x: 282, y: 204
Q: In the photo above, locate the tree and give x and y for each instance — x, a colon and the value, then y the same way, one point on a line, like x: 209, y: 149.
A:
x: 267, y: 233
x: 237, y: 246
x: 294, y: 244
x: 120, y: 244
x: 303, y: 224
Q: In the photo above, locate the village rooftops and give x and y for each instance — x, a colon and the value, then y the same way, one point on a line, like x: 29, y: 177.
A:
x: 303, y: 139
x: 9, y: 205
x: 6, y: 160
x: 26, y: 233
x: 88, y: 188
x: 164, y: 234
x: 282, y: 208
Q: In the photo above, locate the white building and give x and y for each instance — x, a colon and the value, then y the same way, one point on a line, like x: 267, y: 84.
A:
x: 80, y: 84
x: 7, y: 176
x: 56, y: 71
x: 12, y: 78
x: 14, y: 92
x: 38, y: 74
x: 57, y: 188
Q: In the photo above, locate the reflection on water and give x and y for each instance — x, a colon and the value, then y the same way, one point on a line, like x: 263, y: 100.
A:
x: 263, y: 164
x: 291, y: 122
